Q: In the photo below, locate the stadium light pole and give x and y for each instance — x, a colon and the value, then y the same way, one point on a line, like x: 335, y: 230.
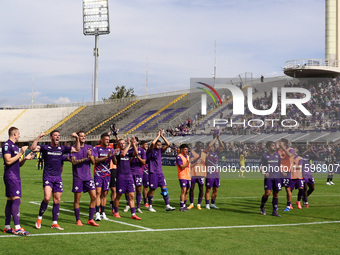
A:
x: 96, y: 22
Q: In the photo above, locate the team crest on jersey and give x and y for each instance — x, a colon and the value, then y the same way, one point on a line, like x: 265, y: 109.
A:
x: 6, y: 148
x: 59, y: 148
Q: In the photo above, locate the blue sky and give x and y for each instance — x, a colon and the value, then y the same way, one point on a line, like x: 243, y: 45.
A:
x: 44, y: 39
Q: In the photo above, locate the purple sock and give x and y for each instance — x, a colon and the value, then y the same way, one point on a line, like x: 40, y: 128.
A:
x: 300, y: 194
x: 139, y: 199
x: 200, y: 200
x: 127, y: 199
x: 144, y: 200
x: 8, y: 212
x: 133, y: 210
x: 275, y: 203
x: 43, y: 207
x: 116, y: 209
x: 77, y: 213
x: 55, y: 212
x: 15, y: 211
x: 97, y: 208
x: 191, y: 200
x: 185, y: 202
x: 306, y: 200
x: 166, y: 200
x: 181, y: 204
x: 150, y: 198
x: 289, y: 203
x: 212, y: 201
x: 263, y: 201
x: 207, y: 202
x: 91, y: 213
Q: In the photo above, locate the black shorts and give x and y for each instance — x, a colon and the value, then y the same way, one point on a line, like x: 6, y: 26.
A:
x: 113, y: 178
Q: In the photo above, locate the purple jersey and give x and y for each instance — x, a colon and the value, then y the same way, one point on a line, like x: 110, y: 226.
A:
x: 136, y: 165
x: 123, y: 166
x: 11, y: 171
x: 53, y: 158
x: 102, y: 168
x: 271, y: 164
x: 155, y: 161
x: 306, y: 171
x: 82, y: 171
x: 212, y: 163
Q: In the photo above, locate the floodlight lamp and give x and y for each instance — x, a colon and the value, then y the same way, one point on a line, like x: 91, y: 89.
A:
x: 96, y: 17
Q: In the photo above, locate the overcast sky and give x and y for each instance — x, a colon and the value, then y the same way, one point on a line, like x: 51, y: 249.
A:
x: 44, y: 39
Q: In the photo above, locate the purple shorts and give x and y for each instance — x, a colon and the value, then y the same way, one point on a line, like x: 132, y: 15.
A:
x: 309, y: 180
x: 185, y: 183
x: 157, y: 180
x: 198, y: 179
x: 55, y: 182
x: 83, y: 186
x: 296, y: 184
x: 125, y: 186
x: 138, y: 179
x: 286, y: 182
x: 146, y: 180
x: 102, y: 182
x: 13, y: 188
x: 212, y: 182
x: 273, y: 184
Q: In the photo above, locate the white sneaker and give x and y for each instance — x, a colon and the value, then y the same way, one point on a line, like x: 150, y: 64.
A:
x: 103, y: 216
x: 327, y: 183
x: 127, y: 208
x: 332, y: 183
x: 98, y: 218
x: 169, y: 208
x: 151, y: 209
x: 207, y: 207
x: 139, y: 210
x: 213, y: 206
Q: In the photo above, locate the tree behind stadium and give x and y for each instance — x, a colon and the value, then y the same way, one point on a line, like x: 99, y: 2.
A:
x: 121, y: 92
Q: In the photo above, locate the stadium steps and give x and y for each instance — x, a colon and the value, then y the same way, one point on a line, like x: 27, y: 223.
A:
x: 65, y: 119
x: 155, y: 114
x: 118, y: 113
x: 14, y: 120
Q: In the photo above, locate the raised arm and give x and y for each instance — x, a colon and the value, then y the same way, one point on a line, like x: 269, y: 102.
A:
x: 167, y: 144
x: 76, y: 147
x: 153, y: 143
x: 34, y: 146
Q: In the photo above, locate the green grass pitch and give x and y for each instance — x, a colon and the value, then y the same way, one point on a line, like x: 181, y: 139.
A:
x: 236, y: 228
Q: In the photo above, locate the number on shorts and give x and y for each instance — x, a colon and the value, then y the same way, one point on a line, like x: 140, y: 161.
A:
x: 279, y: 185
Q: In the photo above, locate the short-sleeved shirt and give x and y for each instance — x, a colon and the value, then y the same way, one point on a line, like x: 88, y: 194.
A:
x: 103, y: 168
x: 198, y: 167
x: 180, y: 161
x: 296, y: 170
x: 123, y: 166
x: 53, y: 158
x: 82, y: 171
x: 306, y: 171
x: 286, y: 161
x: 271, y: 164
x: 136, y: 165
x: 212, y: 163
x: 155, y: 160
x: 12, y: 171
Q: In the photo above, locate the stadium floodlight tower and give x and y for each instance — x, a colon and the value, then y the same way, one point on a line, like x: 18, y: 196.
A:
x: 96, y: 22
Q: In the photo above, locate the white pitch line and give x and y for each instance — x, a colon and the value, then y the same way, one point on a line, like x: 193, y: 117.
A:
x: 177, y: 229
x: 160, y: 199
x: 120, y: 222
